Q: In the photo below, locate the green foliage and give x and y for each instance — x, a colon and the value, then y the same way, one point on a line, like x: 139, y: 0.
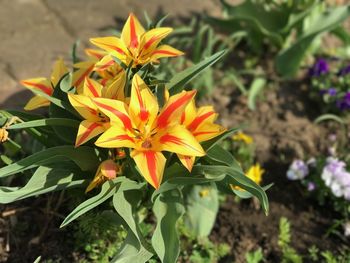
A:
x: 255, y: 256
x: 288, y: 253
x: 292, y: 27
x: 202, y: 205
x: 99, y: 236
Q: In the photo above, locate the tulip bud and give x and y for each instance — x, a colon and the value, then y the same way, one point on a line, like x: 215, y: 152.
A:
x: 107, y: 170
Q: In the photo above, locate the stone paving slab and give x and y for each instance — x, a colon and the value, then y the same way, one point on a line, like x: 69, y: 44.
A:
x: 34, y: 33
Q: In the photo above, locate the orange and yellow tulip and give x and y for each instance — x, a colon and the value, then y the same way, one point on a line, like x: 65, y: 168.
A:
x: 45, y: 85
x: 137, y: 45
x: 147, y: 131
x: 200, y: 122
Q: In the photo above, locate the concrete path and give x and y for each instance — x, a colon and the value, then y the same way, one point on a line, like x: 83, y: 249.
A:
x: 33, y: 33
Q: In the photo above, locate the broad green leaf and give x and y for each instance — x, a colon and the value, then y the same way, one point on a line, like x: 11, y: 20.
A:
x: 66, y: 83
x: 131, y: 251
x: 219, y: 154
x: 244, y: 194
x: 202, y: 205
x: 255, y: 89
x: 125, y: 201
x: 236, y: 177
x: 178, y: 81
x: 168, y: 208
x: 288, y: 60
x: 211, y: 143
x: 44, y: 180
x: 67, y: 134
x: 46, y: 122
x: 85, y: 157
x: 107, y: 191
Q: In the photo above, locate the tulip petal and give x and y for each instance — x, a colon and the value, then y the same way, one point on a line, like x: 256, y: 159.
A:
x: 84, y: 106
x: 179, y: 140
x: 187, y: 161
x: 151, y: 39
x: 112, y: 45
x: 208, y: 131
x: 105, y: 62
x: 87, y: 130
x: 84, y: 70
x: 165, y: 51
x: 94, y: 53
x: 59, y: 69
x: 151, y: 165
x: 143, y: 106
x: 42, y: 84
x: 114, y: 89
x: 36, y: 102
x: 115, y: 110
x: 189, y: 114
x: 132, y: 31
x: 174, y: 108
x: 92, y: 88
x: 115, y: 137
x: 205, y: 114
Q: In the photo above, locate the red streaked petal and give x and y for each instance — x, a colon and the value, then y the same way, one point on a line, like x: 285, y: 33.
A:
x: 115, y: 110
x: 199, y: 120
x: 187, y: 161
x: 165, y: 51
x: 174, y: 108
x: 87, y: 130
x: 151, y: 165
x: 179, y: 140
x: 98, y: 54
x: 42, y: 84
x: 92, y: 88
x: 115, y: 137
x: 143, y: 105
x: 132, y: 31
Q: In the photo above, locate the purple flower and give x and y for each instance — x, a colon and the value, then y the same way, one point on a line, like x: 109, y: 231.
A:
x: 320, y: 67
x: 344, y: 71
x: 311, y: 186
x: 331, y: 92
x: 336, y: 177
x: 344, y: 103
x: 297, y: 170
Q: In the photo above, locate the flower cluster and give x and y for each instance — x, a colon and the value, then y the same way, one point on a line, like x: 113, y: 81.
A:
x: 298, y: 170
x: 131, y: 117
x: 331, y: 85
x: 336, y: 177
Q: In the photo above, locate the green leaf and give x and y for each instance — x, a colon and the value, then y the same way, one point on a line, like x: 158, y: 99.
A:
x: 66, y: 83
x: 125, y: 201
x: 85, y: 157
x: 178, y: 81
x: 288, y: 60
x: 329, y: 117
x: 107, y: 191
x: 67, y: 134
x: 46, y: 122
x: 202, y: 205
x: 44, y: 180
x: 168, y: 208
x: 236, y: 177
x: 131, y: 251
x: 211, y: 143
x: 220, y: 155
x: 255, y: 89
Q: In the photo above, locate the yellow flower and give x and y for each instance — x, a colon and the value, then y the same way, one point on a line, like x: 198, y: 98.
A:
x: 3, y: 135
x: 255, y: 173
x: 147, y: 131
x: 107, y: 170
x: 45, y: 85
x: 240, y: 136
x: 137, y: 45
